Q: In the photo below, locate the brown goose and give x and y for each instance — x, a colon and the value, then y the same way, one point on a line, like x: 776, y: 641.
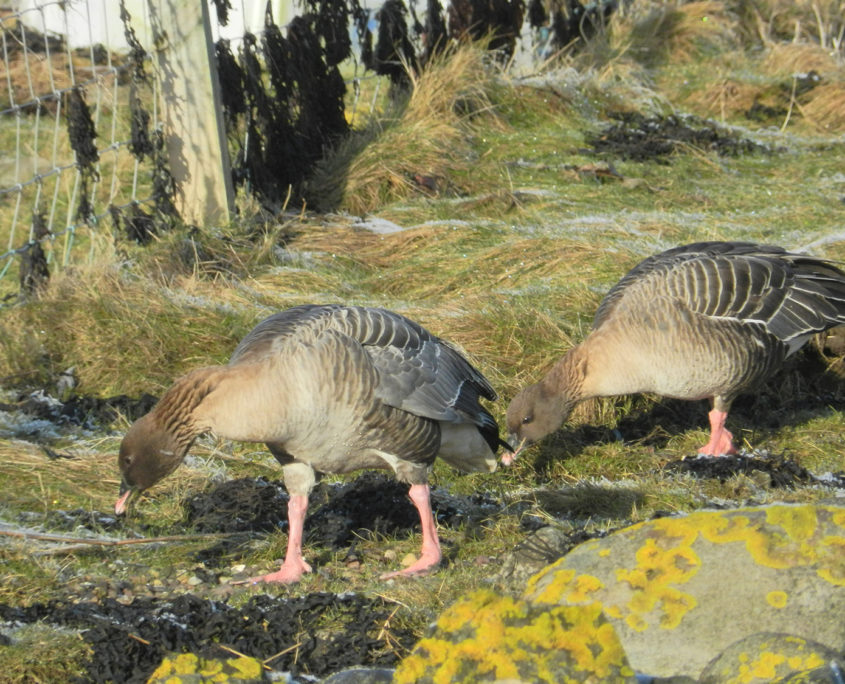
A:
x: 329, y: 389
x: 707, y: 320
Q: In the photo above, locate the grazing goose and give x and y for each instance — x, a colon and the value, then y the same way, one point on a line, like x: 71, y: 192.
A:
x: 707, y: 320
x: 329, y: 389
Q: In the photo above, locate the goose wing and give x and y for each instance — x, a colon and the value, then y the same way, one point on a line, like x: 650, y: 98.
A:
x: 418, y: 372
x: 791, y: 295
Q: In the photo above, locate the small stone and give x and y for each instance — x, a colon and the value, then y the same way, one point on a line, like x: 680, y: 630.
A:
x: 390, y: 555
x: 193, y: 580
x: 240, y: 567
x: 408, y: 560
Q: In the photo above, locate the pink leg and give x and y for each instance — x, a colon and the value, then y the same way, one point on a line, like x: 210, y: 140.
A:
x: 294, y: 566
x: 430, y: 554
x: 721, y: 441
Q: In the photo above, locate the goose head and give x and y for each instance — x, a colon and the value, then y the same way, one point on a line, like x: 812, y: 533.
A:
x: 534, y: 413
x: 148, y: 453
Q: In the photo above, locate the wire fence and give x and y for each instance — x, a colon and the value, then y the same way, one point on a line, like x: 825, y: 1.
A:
x: 68, y: 159
x: 82, y: 154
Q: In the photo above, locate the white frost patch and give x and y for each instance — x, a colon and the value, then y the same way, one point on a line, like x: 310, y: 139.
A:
x: 378, y: 225
x: 19, y: 424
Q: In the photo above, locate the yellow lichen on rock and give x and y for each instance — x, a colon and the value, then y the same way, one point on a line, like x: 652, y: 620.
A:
x: 188, y: 667
x: 765, y: 657
x: 489, y: 637
x: 671, y: 579
x: 777, y: 598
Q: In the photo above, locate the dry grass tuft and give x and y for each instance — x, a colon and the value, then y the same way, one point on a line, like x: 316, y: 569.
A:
x: 81, y: 478
x: 825, y: 107
x: 726, y: 98
x: 424, y: 141
x: 786, y: 59
x: 821, y: 21
x: 41, y: 653
x: 658, y: 33
x: 122, y: 335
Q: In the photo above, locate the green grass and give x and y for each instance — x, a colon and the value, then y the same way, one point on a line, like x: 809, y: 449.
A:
x: 508, y: 258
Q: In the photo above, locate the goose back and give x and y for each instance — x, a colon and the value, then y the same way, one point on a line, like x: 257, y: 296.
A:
x: 789, y: 296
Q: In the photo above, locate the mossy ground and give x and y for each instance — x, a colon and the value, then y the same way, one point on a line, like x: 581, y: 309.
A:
x: 508, y: 245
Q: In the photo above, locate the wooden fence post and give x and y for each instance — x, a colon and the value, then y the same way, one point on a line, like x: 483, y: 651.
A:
x: 191, y: 112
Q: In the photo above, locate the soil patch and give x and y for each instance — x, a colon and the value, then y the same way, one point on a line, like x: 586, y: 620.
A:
x: 641, y: 138
x: 373, y: 504
x: 782, y: 470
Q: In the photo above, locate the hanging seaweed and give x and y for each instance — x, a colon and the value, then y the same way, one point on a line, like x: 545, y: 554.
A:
x: 434, y: 34
x: 537, y: 14
x: 137, y: 54
x: 231, y: 83
x: 81, y: 130
x: 320, y: 87
x: 394, y: 52
x: 574, y: 23
x: 329, y: 20
x: 140, y: 144
x: 260, y: 118
x: 223, y: 8
x: 82, y: 133
x: 500, y: 19
x: 34, y: 271
x: 136, y: 224
x: 164, y: 187
x: 140, y: 226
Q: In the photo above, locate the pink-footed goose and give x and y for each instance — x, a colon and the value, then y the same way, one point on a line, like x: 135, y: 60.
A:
x: 706, y: 320
x: 329, y: 389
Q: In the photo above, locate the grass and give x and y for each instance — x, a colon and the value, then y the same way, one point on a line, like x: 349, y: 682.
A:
x: 507, y: 252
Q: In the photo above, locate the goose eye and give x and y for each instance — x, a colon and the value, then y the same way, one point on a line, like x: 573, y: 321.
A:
x: 527, y: 419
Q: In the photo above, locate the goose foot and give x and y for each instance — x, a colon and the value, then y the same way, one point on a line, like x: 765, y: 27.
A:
x: 424, y: 566
x: 430, y: 553
x: 289, y: 573
x: 721, y: 440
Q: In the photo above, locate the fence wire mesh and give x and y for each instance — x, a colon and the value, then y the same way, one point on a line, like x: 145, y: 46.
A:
x: 81, y: 147
x: 66, y: 143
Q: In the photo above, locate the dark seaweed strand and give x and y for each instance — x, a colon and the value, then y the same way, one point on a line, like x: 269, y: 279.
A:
x: 82, y: 133
x: 34, y: 271
x: 223, y: 7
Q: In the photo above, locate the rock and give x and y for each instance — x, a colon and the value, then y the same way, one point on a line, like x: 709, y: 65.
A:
x: 534, y: 553
x: 361, y: 675
x: 680, y: 590
x: 765, y: 657
x: 831, y: 673
x: 487, y: 637
x: 187, y: 668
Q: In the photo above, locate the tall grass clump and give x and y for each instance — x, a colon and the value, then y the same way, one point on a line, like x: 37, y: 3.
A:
x: 121, y: 333
x: 418, y: 144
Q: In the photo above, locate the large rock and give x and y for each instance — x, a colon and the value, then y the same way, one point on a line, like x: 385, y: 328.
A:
x: 680, y: 590
x: 487, y: 637
x: 766, y: 657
